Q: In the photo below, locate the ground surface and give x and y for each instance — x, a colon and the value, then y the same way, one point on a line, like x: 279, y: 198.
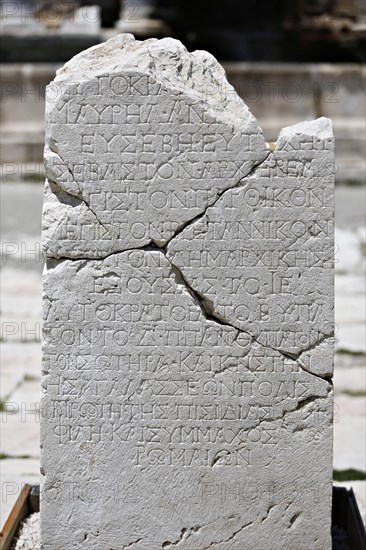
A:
x: 28, y: 536
x: 21, y: 349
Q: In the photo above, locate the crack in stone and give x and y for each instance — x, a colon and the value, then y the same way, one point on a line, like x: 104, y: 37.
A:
x: 204, y: 303
x: 272, y: 505
x: 215, y: 543
x: 124, y: 546
x: 300, y: 363
x: 80, y: 196
x: 218, y: 197
x: 304, y: 402
x: 53, y: 147
x: 275, y: 160
x: 223, y: 453
x: 326, y: 378
x: 180, y: 227
x: 212, y: 316
x: 209, y: 306
x: 294, y: 518
x: 185, y: 534
x: 315, y: 344
x: 82, y: 201
x: 207, y: 310
x: 183, y: 537
x: 152, y: 59
x: 196, y: 304
x: 206, y: 307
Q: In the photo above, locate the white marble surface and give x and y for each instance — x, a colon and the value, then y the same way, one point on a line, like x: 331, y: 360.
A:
x: 19, y: 360
x: 21, y: 220
x: 143, y: 328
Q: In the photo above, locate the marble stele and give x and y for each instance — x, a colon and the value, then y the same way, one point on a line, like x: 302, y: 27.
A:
x: 188, y: 311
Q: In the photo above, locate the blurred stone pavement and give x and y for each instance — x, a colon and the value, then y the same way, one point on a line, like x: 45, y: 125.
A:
x: 21, y: 270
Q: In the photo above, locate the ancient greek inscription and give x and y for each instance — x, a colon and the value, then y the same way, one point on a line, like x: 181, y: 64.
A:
x: 188, y: 302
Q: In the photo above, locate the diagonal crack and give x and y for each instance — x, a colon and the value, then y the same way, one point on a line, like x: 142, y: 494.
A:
x: 215, y: 543
x: 207, y: 310
x: 315, y: 344
x: 124, y: 546
x: 180, y: 228
x: 238, y: 531
x: 185, y: 534
x: 296, y: 357
x: 205, y: 305
x: 218, y: 197
x: 301, y: 404
x: 82, y: 201
x: 78, y: 196
x: 208, y: 305
x: 242, y: 183
x: 209, y: 314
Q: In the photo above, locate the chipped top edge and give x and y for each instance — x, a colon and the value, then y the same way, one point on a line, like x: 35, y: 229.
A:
x: 320, y: 127
x: 197, y: 74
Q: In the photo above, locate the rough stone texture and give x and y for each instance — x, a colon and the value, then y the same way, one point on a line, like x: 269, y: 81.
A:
x: 278, y: 226
x: 169, y: 142
x: 28, y: 536
x: 187, y: 312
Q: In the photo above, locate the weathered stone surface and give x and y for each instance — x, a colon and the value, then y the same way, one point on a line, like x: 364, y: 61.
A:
x: 140, y: 146
x: 169, y: 419
x: 261, y: 258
